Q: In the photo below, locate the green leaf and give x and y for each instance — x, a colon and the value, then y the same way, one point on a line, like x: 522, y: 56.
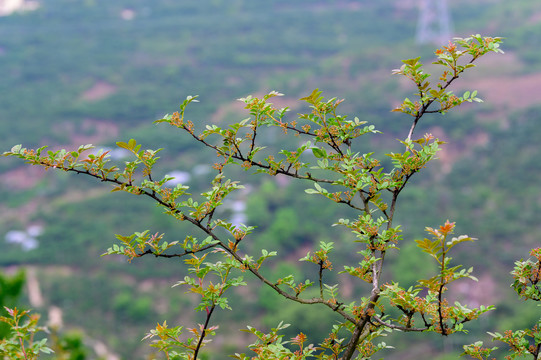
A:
x: 122, y: 144
x: 411, y: 62
x: 319, y: 152
x: 313, y: 98
x: 457, y: 240
x: 16, y: 149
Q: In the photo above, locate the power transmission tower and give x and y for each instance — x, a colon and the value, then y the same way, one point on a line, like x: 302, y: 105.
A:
x: 434, y: 22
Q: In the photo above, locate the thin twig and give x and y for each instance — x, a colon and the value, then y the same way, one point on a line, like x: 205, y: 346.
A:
x: 203, y: 332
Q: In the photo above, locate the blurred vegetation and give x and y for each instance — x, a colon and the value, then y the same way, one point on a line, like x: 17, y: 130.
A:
x: 11, y: 287
x: 222, y: 50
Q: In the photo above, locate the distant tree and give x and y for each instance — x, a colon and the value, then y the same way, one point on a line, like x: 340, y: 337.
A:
x: 322, y: 155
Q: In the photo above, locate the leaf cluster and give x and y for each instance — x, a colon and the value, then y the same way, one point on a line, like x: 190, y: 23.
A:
x: 522, y: 342
x: 20, y: 342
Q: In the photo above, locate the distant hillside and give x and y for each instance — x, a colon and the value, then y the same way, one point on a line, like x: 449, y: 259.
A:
x: 77, y: 72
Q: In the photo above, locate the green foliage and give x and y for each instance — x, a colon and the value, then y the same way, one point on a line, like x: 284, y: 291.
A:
x: 10, y: 290
x: 322, y: 153
x: 434, y: 310
x: 271, y: 345
x: 527, y: 275
x: 69, y: 346
x: 20, y: 342
x: 524, y: 342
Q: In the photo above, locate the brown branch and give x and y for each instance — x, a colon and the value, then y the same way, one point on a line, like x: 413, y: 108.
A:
x: 375, y: 294
x: 257, y: 164
x: 397, y: 327
x: 334, y: 145
x: 424, y: 108
x: 321, y: 278
x: 177, y: 255
x: 203, y: 333
x: 360, y: 326
x: 300, y: 132
x: 443, y: 326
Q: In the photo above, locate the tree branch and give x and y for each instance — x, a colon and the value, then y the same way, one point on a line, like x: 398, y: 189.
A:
x: 397, y: 327
x: 203, y: 332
